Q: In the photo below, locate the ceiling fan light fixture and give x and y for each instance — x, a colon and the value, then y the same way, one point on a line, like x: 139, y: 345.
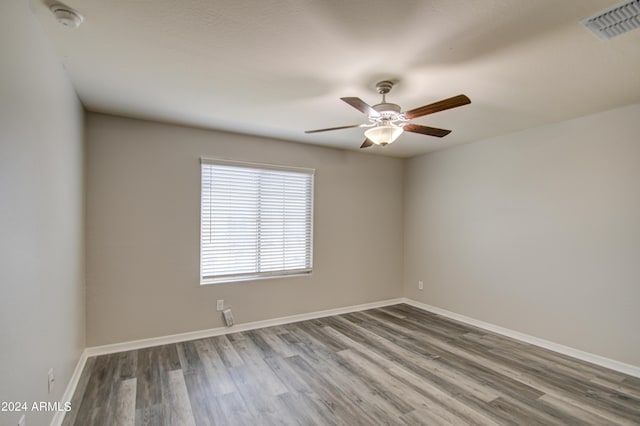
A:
x: 383, y: 135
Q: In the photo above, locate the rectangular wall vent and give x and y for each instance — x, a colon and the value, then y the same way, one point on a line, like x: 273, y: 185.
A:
x: 615, y: 21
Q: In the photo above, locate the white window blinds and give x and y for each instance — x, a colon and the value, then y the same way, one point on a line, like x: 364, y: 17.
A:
x: 256, y: 221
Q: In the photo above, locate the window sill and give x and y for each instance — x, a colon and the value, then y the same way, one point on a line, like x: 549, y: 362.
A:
x: 227, y: 280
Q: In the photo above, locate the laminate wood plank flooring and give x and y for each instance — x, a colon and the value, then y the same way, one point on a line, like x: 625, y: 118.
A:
x: 397, y: 365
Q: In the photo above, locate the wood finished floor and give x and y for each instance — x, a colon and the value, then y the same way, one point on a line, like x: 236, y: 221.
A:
x: 394, y: 365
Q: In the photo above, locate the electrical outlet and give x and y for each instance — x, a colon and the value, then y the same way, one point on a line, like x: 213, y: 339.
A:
x: 52, y: 379
x: 22, y: 421
x: 420, y: 285
x: 220, y: 305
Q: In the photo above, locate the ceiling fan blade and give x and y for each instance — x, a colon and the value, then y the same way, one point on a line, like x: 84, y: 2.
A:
x: 361, y: 106
x: 366, y: 144
x: 445, y: 104
x: 333, y: 128
x: 426, y: 130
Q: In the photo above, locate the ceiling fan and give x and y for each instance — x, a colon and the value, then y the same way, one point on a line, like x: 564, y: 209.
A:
x: 386, y: 121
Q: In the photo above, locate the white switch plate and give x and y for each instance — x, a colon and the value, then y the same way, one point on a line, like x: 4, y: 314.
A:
x: 22, y: 421
x: 220, y: 305
x: 420, y: 285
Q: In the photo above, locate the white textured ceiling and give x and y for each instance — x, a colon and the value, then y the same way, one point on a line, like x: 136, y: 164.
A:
x: 278, y: 67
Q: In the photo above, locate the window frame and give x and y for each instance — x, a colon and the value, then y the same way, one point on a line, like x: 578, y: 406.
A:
x: 258, y: 275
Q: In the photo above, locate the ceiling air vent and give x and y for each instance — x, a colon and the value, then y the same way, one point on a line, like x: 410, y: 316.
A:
x: 615, y: 21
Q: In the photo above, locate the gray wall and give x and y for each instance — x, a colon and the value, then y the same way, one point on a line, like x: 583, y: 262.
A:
x: 537, y: 231
x: 41, y: 217
x: 143, y: 195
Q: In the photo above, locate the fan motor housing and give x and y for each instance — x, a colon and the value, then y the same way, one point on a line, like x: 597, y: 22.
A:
x: 387, y: 107
x: 388, y: 114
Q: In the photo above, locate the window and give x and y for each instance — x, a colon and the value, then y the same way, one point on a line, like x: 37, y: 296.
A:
x: 256, y: 221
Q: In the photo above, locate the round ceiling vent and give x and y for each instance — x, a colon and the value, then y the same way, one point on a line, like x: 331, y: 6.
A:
x: 66, y: 15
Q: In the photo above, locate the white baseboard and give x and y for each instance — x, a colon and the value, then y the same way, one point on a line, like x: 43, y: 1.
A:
x: 201, y: 334
x: 71, y: 388
x: 612, y: 364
